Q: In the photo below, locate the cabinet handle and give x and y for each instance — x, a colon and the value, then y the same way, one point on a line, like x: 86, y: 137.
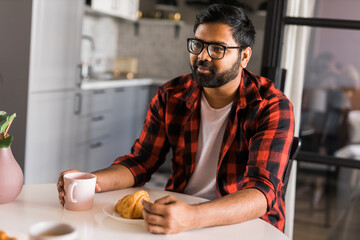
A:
x: 99, y: 91
x: 78, y: 76
x: 121, y: 89
x: 96, y: 145
x: 78, y: 103
x: 97, y: 118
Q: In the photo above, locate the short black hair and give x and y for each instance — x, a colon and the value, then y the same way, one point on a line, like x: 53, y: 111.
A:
x: 243, y: 29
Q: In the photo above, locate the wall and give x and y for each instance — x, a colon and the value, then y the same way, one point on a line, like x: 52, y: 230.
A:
x: 15, y: 25
x: 160, y: 50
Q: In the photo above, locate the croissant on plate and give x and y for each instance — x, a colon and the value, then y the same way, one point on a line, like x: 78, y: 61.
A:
x: 130, y: 206
x: 4, y: 236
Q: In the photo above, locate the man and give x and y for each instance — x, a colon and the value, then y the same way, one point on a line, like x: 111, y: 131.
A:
x: 230, y: 133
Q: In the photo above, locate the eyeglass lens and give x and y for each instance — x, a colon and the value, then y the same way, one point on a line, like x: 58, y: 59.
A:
x: 214, y: 50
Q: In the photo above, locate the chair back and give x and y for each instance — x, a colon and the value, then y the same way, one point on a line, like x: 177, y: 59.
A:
x: 295, y: 147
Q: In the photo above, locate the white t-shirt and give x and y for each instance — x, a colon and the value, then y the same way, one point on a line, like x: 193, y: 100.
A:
x: 202, y: 182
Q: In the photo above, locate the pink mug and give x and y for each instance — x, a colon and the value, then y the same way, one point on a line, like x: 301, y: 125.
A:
x: 79, y: 190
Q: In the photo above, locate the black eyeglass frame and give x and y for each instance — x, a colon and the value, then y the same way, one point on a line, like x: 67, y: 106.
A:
x: 208, y: 44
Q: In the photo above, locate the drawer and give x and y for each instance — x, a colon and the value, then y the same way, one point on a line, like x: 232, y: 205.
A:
x: 94, y: 101
x: 94, y: 154
x: 93, y: 125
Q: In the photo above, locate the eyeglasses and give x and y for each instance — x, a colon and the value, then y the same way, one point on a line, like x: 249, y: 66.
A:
x: 215, y: 50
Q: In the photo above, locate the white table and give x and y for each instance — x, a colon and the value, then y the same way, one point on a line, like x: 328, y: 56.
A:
x: 40, y: 203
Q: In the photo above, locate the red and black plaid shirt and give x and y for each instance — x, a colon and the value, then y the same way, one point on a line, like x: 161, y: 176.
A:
x: 255, y: 147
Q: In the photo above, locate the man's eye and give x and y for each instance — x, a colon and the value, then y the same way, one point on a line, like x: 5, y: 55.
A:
x: 197, y: 44
x: 217, y: 49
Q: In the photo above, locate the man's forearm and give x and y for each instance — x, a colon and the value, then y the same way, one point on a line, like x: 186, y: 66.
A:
x: 114, y: 177
x: 237, y: 207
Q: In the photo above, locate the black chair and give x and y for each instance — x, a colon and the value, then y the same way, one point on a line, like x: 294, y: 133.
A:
x: 295, y: 147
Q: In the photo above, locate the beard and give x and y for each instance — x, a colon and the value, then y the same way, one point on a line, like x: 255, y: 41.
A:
x: 214, y: 79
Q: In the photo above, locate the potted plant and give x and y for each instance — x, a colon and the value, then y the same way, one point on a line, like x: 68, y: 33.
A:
x: 11, y: 175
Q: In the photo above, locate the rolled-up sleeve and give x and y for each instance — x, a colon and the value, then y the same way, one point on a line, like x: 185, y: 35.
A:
x: 269, y: 148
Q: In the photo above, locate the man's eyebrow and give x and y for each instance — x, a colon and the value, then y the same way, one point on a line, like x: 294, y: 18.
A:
x: 214, y: 42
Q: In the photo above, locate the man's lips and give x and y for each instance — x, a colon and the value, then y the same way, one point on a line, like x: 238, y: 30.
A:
x: 203, y: 69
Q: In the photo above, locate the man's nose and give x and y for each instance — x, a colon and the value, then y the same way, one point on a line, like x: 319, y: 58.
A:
x: 204, y: 55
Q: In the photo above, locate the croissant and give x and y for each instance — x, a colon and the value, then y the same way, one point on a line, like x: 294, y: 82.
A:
x: 130, y: 206
x: 4, y: 236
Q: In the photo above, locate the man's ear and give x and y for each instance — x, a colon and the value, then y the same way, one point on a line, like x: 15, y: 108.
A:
x: 245, y: 56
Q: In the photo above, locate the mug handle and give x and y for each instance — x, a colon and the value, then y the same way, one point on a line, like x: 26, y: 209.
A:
x: 71, y: 187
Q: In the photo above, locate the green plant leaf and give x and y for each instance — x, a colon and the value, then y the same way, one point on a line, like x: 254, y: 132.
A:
x: 5, y: 143
x: 3, y: 116
x: 7, y: 122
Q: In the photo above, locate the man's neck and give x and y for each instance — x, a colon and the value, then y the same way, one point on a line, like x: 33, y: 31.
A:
x: 224, y: 95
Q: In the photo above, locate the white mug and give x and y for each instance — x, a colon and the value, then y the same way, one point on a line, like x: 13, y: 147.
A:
x: 79, y: 190
x: 52, y: 230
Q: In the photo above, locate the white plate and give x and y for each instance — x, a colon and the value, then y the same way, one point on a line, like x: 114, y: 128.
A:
x: 18, y: 235
x: 109, y: 211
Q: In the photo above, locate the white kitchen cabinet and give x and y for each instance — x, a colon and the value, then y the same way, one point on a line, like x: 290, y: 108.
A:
x: 92, y: 129
x: 128, y: 114
x: 91, y: 154
x: 55, y: 44
x: 94, y: 154
x: 49, y: 137
x: 54, y: 73
x: 123, y: 122
x: 96, y: 100
x: 93, y: 126
x: 93, y: 114
x: 141, y: 102
x: 108, y: 121
x: 126, y: 9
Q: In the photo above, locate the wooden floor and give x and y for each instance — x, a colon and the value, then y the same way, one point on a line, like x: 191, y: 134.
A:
x: 317, y: 216
x: 310, y: 222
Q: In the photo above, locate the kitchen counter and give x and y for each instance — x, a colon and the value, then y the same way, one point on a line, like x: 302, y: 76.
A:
x: 100, y: 84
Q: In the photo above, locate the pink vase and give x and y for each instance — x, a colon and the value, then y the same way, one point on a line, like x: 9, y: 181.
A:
x: 11, y: 176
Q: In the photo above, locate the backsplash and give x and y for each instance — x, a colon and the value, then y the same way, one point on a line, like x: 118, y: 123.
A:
x: 159, y: 46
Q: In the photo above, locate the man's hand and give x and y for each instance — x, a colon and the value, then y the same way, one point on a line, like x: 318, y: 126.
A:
x: 112, y: 178
x: 168, y: 215
x: 60, y: 186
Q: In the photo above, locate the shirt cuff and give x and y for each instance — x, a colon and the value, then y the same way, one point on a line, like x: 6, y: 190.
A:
x: 136, y: 169
x: 267, y: 185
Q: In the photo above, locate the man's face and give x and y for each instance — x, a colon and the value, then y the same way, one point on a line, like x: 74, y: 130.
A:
x: 213, y: 73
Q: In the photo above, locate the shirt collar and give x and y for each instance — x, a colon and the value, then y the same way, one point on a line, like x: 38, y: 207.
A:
x: 249, y: 89
x: 191, y: 92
